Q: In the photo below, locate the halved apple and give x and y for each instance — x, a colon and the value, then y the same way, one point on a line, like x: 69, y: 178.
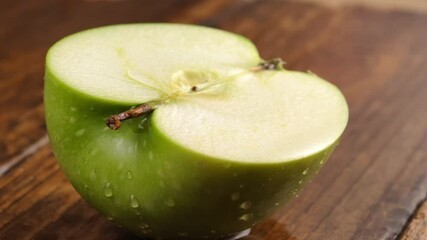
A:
x: 224, y: 138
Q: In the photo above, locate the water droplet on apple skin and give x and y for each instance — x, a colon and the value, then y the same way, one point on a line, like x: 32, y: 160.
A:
x: 246, y: 217
x: 294, y: 192
x: 305, y: 171
x: 144, y: 226
x: 129, y: 175
x: 246, y: 205
x: 80, y: 132
x: 134, y: 203
x: 93, y: 152
x: 108, y: 191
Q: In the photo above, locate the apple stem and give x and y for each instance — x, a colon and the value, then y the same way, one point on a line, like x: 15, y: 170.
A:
x: 272, y: 64
x: 115, y: 121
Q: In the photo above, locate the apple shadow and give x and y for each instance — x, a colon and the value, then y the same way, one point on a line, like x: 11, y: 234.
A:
x: 81, y: 218
x: 270, y: 229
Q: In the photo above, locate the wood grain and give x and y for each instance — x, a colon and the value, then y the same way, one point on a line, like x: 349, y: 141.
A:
x: 408, y: 5
x: 374, y: 185
x: 417, y: 228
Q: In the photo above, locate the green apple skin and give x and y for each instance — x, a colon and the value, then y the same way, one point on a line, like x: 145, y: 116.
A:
x: 145, y: 182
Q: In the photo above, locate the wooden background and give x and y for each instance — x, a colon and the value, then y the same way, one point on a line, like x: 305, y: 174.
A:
x: 374, y: 186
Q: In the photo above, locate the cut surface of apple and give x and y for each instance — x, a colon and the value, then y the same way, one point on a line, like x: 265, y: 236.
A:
x: 264, y: 117
x: 227, y: 140
x: 246, y: 116
x: 134, y: 63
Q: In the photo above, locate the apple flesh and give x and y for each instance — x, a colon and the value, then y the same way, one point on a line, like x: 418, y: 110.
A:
x: 205, y: 164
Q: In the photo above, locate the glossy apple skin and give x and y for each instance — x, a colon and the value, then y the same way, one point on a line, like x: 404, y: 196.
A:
x: 150, y: 185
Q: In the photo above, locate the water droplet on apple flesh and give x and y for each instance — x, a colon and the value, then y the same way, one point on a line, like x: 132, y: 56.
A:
x: 129, y: 175
x: 246, y: 217
x: 134, y: 203
x: 108, y: 191
x: 235, y: 196
x: 170, y: 202
x: 245, y: 205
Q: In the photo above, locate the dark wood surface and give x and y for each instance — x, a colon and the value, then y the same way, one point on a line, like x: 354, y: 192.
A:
x: 373, y: 187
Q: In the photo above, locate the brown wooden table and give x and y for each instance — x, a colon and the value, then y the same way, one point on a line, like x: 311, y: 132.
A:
x: 374, y: 186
